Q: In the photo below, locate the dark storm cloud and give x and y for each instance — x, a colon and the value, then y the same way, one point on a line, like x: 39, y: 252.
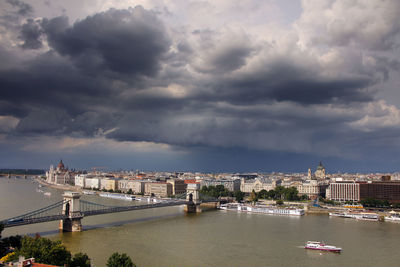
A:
x: 30, y: 35
x: 74, y: 88
x: 59, y: 122
x: 123, y: 41
x: 231, y: 58
x: 285, y: 82
x: 120, y: 74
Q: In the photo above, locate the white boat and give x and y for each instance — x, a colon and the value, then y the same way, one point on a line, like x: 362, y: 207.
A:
x: 263, y: 209
x: 117, y: 196
x: 366, y: 216
x: 316, y: 245
x: 87, y: 192
x: 47, y: 194
x: 394, y: 217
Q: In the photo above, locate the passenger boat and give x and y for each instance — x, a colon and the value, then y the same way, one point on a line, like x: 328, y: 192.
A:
x: 263, y: 209
x: 394, y: 217
x: 366, y: 216
x: 315, y: 245
x: 117, y: 196
x: 87, y: 192
x: 47, y: 194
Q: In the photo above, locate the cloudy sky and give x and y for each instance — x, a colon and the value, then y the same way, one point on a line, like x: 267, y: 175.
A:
x: 226, y: 85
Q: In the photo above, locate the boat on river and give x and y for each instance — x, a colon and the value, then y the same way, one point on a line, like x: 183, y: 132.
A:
x: 365, y: 216
x: 117, y: 196
x: 88, y: 192
x: 393, y: 217
x: 316, y: 245
x: 262, y: 209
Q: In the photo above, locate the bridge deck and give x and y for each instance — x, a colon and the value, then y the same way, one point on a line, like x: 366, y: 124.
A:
x: 40, y: 215
x: 128, y: 208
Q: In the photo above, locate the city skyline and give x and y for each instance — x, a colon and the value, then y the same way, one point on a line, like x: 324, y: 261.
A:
x: 207, y: 86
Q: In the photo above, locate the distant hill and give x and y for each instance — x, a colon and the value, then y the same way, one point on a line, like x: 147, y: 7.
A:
x: 22, y: 171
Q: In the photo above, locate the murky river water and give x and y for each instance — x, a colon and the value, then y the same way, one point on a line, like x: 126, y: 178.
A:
x: 168, y: 237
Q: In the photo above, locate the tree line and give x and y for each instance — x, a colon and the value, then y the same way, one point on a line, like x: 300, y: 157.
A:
x: 279, y: 193
x: 51, y: 252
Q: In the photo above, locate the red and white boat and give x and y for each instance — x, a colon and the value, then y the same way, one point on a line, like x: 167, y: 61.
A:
x: 321, y: 246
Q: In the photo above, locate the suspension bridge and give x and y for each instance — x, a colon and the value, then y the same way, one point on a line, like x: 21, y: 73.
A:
x: 72, y: 209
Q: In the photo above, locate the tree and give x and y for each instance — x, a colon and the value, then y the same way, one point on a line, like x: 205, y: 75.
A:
x: 239, y: 195
x: 279, y: 191
x: 119, y: 260
x: 44, y: 250
x: 304, y: 197
x: 263, y: 194
x: 279, y: 202
x: 80, y: 260
x: 130, y: 191
x: 253, y: 196
x: 271, y: 194
x: 3, y: 249
x: 1, y: 228
x: 291, y: 193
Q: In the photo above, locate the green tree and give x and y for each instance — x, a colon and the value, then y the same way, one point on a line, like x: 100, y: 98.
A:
x: 80, y: 260
x: 263, y: 194
x: 291, y: 193
x: 2, y: 245
x: 271, y: 194
x: 130, y: 191
x: 304, y: 197
x: 12, y: 241
x: 1, y: 228
x: 279, y: 192
x: 44, y: 250
x: 279, y: 202
x: 253, y: 196
x: 119, y: 260
x: 239, y: 195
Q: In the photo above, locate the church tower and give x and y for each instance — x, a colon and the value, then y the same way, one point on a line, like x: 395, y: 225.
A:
x: 320, y: 172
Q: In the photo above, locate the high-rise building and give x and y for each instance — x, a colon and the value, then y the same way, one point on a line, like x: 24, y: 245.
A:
x: 343, y: 191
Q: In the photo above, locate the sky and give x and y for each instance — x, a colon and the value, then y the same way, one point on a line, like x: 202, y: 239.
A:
x: 213, y: 86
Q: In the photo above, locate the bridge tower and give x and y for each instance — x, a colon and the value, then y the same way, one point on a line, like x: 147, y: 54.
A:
x: 71, y: 208
x: 193, y: 197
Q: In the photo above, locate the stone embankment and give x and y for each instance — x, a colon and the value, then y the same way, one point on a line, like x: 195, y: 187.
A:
x: 58, y: 186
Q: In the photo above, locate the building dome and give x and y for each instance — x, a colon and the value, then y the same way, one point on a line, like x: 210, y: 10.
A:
x: 320, y: 166
x: 60, y: 165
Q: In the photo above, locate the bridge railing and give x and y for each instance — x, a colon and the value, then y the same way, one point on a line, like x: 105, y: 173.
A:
x: 49, y: 213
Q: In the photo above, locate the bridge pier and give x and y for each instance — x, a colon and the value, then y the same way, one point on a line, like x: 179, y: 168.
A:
x: 193, y: 197
x: 71, y: 208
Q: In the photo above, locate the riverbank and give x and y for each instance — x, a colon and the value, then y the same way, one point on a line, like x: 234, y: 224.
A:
x: 58, y: 186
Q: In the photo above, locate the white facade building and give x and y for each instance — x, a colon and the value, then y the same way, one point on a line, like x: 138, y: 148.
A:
x: 92, y: 182
x: 80, y: 180
x: 137, y: 186
x: 247, y: 186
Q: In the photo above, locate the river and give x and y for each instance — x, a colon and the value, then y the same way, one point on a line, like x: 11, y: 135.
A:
x: 169, y: 237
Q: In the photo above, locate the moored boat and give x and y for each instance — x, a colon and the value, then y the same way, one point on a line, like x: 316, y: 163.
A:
x: 394, y: 217
x: 316, y: 245
x: 262, y: 209
x: 87, y: 192
x: 117, y: 196
x: 366, y: 216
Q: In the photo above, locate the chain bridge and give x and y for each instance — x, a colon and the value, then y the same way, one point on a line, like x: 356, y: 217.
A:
x: 72, y: 209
